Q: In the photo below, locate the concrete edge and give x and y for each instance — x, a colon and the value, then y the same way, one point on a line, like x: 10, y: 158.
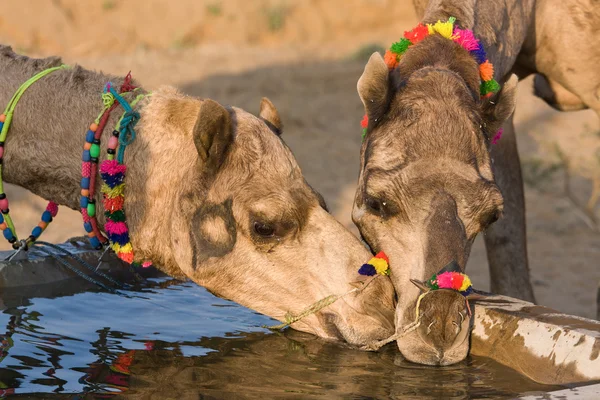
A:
x: 539, y: 342
x: 591, y: 392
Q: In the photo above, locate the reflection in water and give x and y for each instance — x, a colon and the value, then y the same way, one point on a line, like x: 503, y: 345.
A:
x: 175, y: 340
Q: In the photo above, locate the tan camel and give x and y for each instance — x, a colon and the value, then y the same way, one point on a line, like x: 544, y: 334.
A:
x: 430, y: 181
x: 212, y: 194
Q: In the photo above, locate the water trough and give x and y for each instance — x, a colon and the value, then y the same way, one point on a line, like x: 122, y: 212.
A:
x: 538, y: 342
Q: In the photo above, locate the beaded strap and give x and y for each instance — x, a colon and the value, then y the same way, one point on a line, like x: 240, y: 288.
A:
x: 89, y: 166
x: 6, y: 224
x: 112, y: 172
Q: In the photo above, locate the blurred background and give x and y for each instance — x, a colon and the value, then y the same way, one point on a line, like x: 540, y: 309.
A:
x: 306, y: 56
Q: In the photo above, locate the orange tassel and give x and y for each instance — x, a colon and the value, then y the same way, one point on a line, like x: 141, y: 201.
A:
x: 486, y: 71
x: 391, y: 59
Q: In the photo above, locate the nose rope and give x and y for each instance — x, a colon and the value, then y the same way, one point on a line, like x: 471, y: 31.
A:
x: 290, y: 318
x: 377, y: 344
x: 377, y: 265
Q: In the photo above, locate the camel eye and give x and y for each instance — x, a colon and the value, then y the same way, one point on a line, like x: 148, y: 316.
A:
x: 264, y: 230
x: 492, y: 217
x: 375, y: 205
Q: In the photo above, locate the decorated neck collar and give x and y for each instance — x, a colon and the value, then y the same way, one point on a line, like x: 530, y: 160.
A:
x: 464, y: 37
x: 112, y: 171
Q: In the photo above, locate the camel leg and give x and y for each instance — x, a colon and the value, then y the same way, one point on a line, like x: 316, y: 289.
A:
x: 505, y: 240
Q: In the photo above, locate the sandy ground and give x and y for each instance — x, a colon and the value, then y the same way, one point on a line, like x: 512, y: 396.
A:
x: 306, y: 56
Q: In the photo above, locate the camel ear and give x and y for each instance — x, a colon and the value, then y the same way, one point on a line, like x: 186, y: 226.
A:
x: 373, y: 87
x: 420, y: 285
x: 499, y: 107
x: 212, y: 135
x: 269, y: 114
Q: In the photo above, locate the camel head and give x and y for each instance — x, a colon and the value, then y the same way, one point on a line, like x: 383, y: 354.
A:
x: 426, y: 186
x: 248, y: 227
x: 439, y: 333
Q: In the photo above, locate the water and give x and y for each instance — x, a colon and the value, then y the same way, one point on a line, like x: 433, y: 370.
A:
x: 175, y: 340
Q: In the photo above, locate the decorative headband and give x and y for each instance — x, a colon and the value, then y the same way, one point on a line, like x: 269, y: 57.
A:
x: 464, y: 37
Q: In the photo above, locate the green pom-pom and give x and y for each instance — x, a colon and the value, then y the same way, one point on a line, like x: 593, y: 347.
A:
x: 401, y: 46
x: 452, y: 20
x: 364, y: 134
x: 432, y: 282
x: 116, y: 216
x: 489, y: 87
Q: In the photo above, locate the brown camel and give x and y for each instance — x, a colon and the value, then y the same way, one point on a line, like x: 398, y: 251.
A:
x: 430, y: 179
x: 212, y: 194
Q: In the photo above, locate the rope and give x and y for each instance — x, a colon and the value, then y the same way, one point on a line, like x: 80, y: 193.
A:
x: 107, y: 100
x: 290, y: 318
x: 10, y: 108
x: 376, y: 345
x: 8, y: 112
x: 128, y: 121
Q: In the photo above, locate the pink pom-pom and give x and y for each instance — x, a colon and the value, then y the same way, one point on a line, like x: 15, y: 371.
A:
x: 466, y: 39
x: 146, y: 264
x: 112, y: 167
x: 444, y: 280
x: 497, y: 136
x: 52, y: 208
x: 116, y: 228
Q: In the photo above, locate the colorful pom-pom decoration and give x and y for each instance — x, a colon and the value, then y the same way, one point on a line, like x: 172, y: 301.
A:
x: 379, y: 264
x: 364, y: 123
x: 464, y: 37
x: 113, y: 174
x: 450, y: 278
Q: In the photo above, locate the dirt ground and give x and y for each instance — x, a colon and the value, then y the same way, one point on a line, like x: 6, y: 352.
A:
x: 306, y: 56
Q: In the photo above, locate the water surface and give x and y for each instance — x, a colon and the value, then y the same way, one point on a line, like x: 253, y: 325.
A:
x: 173, y: 339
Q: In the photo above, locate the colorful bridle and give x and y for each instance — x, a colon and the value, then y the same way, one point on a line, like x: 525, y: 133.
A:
x: 464, y: 37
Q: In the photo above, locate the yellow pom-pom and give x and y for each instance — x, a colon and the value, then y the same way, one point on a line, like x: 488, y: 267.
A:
x: 443, y: 28
x: 121, y: 249
x: 381, y: 266
x: 430, y: 29
x: 466, y: 283
x: 114, y: 192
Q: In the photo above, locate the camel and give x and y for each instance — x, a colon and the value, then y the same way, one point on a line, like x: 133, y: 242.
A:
x: 430, y: 178
x: 212, y: 194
